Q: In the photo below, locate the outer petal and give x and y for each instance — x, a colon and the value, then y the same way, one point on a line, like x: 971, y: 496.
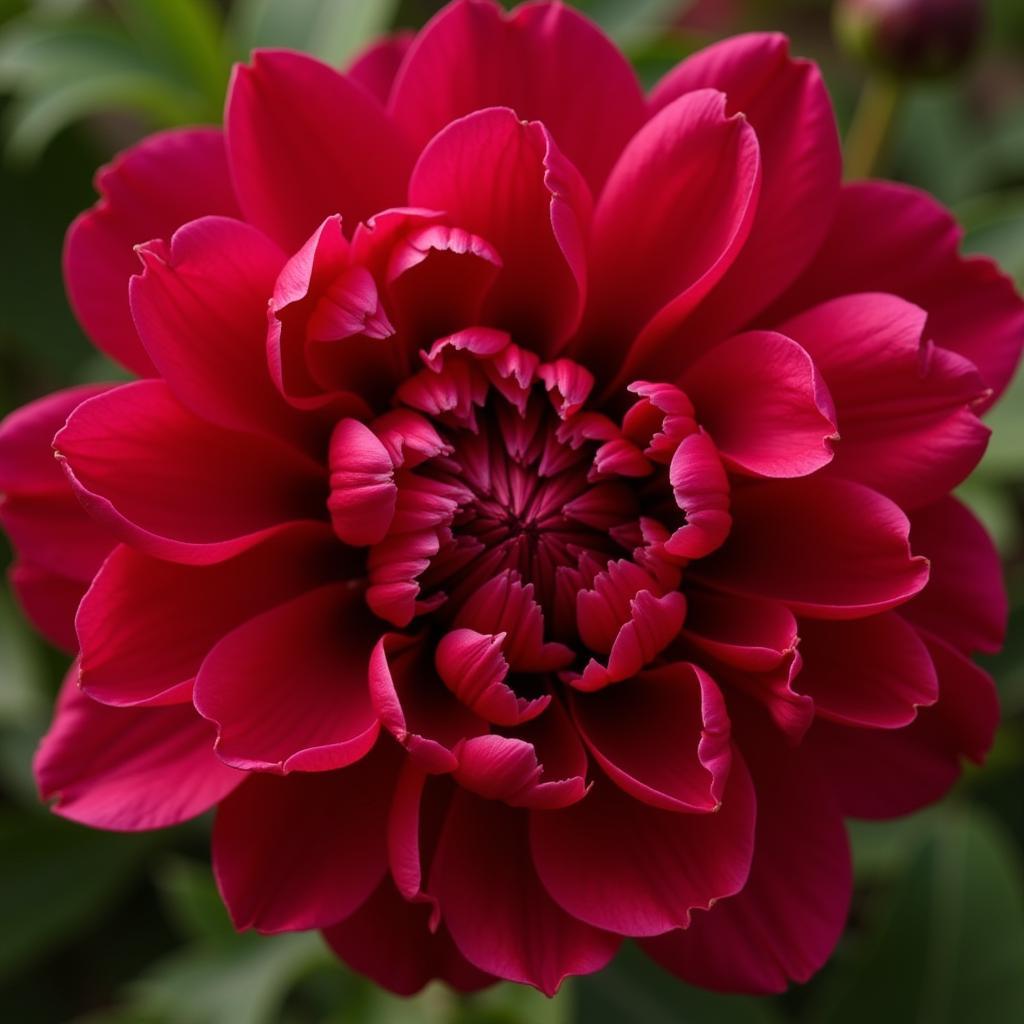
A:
x: 663, y: 737
x: 790, y: 915
x: 176, y: 487
x: 787, y: 104
x: 904, y: 406
x: 287, y: 690
x: 827, y: 548
x: 506, y: 181
x: 885, y: 774
x: 765, y: 404
x: 304, y: 143
x: 147, y: 192
x: 200, y: 307
x: 49, y: 601
x: 307, y: 850
x: 389, y: 940
x: 874, y: 672
x: 544, y: 60
x: 675, y: 212
x: 129, y: 769
x: 145, y: 625
x: 376, y: 67
x: 620, y: 864
x: 498, y: 912
x: 892, y: 238
x: 965, y: 600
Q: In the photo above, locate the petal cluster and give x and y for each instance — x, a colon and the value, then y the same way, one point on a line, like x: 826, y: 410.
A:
x: 530, y: 526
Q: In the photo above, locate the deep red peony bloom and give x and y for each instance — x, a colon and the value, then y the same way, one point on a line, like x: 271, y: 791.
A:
x: 564, y: 550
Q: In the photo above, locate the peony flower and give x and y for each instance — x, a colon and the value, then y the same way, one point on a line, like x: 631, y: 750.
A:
x: 530, y: 527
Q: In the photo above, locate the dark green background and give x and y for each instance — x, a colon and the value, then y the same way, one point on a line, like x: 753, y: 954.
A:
x: 113, y: 928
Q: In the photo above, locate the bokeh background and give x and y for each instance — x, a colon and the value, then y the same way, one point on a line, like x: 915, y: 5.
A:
x: 118, y: 929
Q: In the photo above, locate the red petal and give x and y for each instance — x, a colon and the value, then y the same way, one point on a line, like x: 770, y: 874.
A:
x: 287, y: 689
x: 498, y: 912
x: 623, y: 865
x: 129, y: 769
x: 304, y: 143
x: 544, y: 60
x: 150, y: 190
x: 505, y: 180
x: 376, y: 67
x: 307, y: 850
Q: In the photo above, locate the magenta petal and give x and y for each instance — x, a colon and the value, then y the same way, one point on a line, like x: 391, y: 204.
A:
x: 389, y: 940
x: 307, y: 850
x: 49, y: 601
x: 871, y: 351
x: 828, y: 548
x: 305, y: 143
x: 498, y: 912
x: 200, y: 307
x: 744, y: 632
x: 287, y: 690
x: 965, y: 600
x: 375, y: 68
x: 690, y: 173
x: 776, y: 417
x: 663, y: 737
x: 888, y: 773
x: 129, y: 769
x: 145, y: 625
x: 150, y: 190
x: 506, y: 181
x: 873, y: 672
x: 973, y: 309
x: 791, y: 913
x: 544, y: 60
x: 787, y: 105
x: 363, y: 490
x: 176, y: 487
x: 620, y: 864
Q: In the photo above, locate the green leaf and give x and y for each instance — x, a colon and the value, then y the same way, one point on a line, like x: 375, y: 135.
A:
x: 333, y: 30
x: 55, y: 877
x: 633, y: 988
x: 951, y: 946
x: 637, y: 22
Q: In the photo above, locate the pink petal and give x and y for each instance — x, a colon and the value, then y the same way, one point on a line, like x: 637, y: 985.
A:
x: 663, y: 737
x: 49, y: 601
x: 965, y: 600
x: 363, y: 490
x: 176, y: 487
x: 888, y: 773
x: 620, y: 864
x: 200, y: 307
x: 145, y: 625
x: 874, y: 672
x: 495, y: 906
x: 287, y: 690
x: 506, y: 181
x: 376, y: 67
x: 415, y: 706
x: 304, y: 143
x: 544, y: 60
x: 676, y: 210
x: 129, y: 769
x: 827, y: 548
x: 776, y: 416
x: 791, y: 913
x: 150, y: 190
x: 389, y: 941
x: 787, y: 105
x: 903, y: 406
x: 701, y: 491
x: 307, y: 850
x: 892, y: 238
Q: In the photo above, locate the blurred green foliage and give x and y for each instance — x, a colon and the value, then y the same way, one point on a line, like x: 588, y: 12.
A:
x: 112, y: 929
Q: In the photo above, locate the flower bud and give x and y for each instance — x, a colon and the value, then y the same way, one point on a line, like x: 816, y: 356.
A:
x: 910, y: 38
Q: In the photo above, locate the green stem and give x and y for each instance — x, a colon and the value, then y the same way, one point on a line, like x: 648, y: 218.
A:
x: 872, y: 122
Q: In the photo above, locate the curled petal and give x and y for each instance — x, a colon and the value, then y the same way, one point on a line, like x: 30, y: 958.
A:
x: 363, y: 490
x: 701, y: 490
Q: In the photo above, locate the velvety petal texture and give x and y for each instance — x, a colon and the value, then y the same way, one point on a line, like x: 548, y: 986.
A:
x: 533, y: 527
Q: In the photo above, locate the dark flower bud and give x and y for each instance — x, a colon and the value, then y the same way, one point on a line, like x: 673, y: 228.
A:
x: 910, y: 38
